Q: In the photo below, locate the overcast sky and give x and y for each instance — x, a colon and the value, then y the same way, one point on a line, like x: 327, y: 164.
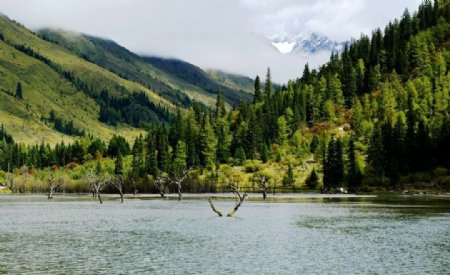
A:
x: 221, y: 34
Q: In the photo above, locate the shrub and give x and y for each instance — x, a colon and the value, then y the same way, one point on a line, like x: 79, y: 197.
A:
x: 252, y: 166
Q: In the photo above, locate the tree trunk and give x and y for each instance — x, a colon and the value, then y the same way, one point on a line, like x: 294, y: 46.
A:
x: 162, y: 194
x: 179, y: 191
x: 264, y: 194
x: 121, y: 195
x: 99, y: 198
x: 237, y: 206
x: 214, y: 208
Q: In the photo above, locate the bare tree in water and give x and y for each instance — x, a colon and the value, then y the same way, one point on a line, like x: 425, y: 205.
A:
x: 178, y: 179
x: 53, y: 183
x: 238, y: 204
x: 161, y: 184
x: 263, y: 184
x: 118, y: 183
x: 97, y: 183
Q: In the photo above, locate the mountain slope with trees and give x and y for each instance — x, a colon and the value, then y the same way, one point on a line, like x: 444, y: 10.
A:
x: 176, y: 80
x: 375, y: 117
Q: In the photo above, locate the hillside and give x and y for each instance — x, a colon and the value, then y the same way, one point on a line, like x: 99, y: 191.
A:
x: 46, y: 89
x: 93, y: 85
x: 233, y: 81
x: 175, y: 80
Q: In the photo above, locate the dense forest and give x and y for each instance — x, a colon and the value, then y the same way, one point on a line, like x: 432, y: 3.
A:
x: 376, y: 115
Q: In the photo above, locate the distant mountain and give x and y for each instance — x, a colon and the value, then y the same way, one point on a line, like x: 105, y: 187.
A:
x: 305, y: 43
x: 197, y: 77
x: 175, y: 80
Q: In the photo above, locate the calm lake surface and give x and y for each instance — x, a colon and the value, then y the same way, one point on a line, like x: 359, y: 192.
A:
x: 395, y: 235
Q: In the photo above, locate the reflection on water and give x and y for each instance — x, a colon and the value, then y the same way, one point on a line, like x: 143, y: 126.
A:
x: 370, y: 235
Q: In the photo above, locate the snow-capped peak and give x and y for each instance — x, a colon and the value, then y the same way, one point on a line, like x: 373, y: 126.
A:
x: 304, y: 43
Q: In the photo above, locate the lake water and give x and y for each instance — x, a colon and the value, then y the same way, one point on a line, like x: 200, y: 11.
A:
x: 395, y: 235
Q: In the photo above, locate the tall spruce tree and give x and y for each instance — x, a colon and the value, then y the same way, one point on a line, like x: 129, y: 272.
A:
x: 258, y: 96
x: 19, y: 92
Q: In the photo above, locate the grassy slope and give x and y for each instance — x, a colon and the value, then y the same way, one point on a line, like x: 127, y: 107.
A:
x: 233, y: 81
x: 90, y: 73
x: 45, y: 90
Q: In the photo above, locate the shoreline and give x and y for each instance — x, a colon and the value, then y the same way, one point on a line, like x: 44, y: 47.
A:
x: 251, y: 196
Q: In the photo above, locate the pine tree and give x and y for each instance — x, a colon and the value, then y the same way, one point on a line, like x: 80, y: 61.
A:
x: 137, y: 165
x: 223, y: 141
x: 118, y: 165
x: 265, y: 154
x: 376, y: 155
x: 313, y: 180
x: 208, y: 143
x: 220, y: 106
x: 240, y: 156
x: 163, y: 150
x: 354, y: 174
x: 282, y: 128
x: 151, y: 163
x: 19, y: 93
x: 268, y: 84
x: 179, y: 161
x: 98, y: 168
x: 288, y: 178
x: 333, y: 167
x: 258, y: 96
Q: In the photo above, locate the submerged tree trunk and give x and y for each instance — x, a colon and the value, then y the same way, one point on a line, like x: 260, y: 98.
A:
x: 214, y: 208
x: 121, y: 196
x: 161, y: 185
x: 236, y: 208
x: 179, y: 190
x: 117, y: 182
x: 99, y: 197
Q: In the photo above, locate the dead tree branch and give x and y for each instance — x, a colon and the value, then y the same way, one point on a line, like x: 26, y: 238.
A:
x: 214, y: 208
x: 97, y: 183
x: 117, y: 182
x: 236, y: 207
x: 178, y: 180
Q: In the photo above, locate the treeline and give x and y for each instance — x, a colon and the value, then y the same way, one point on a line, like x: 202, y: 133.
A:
x: 7, y: 138
x: 14, y: 156
x: 64, y: 127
